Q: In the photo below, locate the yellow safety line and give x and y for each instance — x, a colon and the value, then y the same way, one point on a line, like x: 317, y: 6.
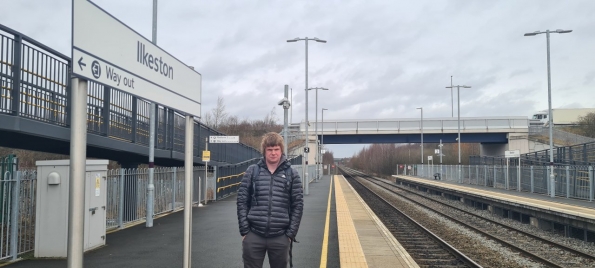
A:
x: 351, y: 253
x: 323, y: 256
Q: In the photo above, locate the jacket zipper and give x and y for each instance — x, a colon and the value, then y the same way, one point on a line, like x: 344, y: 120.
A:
x: 270, y: 205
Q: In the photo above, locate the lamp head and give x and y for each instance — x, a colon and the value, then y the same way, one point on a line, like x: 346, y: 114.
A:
x: 319, y: 40
x: 532, y: 34
x: 563, y: 31
x: 293, y: 40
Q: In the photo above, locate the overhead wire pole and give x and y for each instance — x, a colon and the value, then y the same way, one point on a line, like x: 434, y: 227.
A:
x: 151, y: 186
x: 549, y: 101
x: 459, y: 124
x: 305, y: 159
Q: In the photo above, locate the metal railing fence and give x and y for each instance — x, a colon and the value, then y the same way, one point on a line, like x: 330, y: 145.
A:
x: 35, y: 84
x: 126, y: 197
x: 570, y: 181
x: 17, y: 209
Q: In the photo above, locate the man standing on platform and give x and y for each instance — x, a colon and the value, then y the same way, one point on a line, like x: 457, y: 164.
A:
x: 270, y: 204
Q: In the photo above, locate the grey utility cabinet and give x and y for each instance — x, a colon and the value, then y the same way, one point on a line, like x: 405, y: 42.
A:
x: 51, y: 221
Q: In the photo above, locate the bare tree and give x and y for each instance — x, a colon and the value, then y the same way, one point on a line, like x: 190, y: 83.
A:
x: 217, y: 116
x: 586, y: 125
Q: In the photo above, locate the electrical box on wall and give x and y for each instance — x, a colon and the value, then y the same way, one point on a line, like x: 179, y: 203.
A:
x: 51, y: 221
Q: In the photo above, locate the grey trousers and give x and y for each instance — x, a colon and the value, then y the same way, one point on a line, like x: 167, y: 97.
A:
x: 254, y: 248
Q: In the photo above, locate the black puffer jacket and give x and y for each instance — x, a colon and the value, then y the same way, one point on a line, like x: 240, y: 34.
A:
x: 267, y: 212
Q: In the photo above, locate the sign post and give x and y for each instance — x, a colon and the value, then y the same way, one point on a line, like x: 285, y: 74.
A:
x: 513, y: 154
x: 206, y: 157
x: 106, y: 51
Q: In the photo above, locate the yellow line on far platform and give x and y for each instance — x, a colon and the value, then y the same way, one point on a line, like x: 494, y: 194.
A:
x: 323, y: 255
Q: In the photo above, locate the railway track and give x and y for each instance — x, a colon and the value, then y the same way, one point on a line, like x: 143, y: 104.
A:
x: 543, y: 251
x: 427, y: 249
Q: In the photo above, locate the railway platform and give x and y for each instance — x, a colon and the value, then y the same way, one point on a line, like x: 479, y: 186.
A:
x: 337, y: 230
x: 576, y: 217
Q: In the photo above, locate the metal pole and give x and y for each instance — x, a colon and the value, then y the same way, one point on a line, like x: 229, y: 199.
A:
x: 422, y: 134
x: 188, y: 191
x: 285, y: 124
x: 440, y: 153
x: 206, y: 173
x: 155, y: 22
x: 305, y: 160
x: 121, y: 205
x: 590, y: 184
x: 151, y: 186
x: 322, y: 138
x: 78, y: 154
x: 174, y: 188
x: 549, y: 101
x: 519, y: 176
x: 14, y: 220
x: 506, y: 183
x: 316, y: 140
x: 452, y: 103
x: 459, y: 127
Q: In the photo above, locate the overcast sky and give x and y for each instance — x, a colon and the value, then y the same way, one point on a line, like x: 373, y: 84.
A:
x: 382, y: 60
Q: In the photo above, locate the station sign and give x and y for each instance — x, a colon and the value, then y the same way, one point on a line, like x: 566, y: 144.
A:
x: 430, y: 158
x: 109, y: 52
x: 224, y: 139
x: 206, y: 156
x: 513, y: 153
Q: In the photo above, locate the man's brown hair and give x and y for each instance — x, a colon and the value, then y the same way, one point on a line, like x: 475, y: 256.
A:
x: 272, y: 139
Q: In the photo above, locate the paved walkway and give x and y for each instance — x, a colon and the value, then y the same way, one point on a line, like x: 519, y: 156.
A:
x: 216, y: 239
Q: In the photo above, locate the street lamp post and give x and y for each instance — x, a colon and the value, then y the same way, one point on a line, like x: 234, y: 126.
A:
x: 316, y: 131
x: 459, y: 123
x: 305, y: 159
x: 422, y: 134
x: 549, y: 101
x: 452, y: 104
x: 322, y: 138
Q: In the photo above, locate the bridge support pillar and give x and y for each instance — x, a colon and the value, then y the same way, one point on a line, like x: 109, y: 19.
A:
x: 492, y: 149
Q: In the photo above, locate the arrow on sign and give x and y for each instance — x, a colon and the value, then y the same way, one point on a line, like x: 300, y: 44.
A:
x: 81, y: 64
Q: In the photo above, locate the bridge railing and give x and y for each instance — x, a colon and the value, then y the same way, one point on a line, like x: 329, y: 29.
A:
x: 35, y: 84
x: 414, y: 125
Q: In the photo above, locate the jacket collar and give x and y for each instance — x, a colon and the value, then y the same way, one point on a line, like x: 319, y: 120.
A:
x: 283, y: 163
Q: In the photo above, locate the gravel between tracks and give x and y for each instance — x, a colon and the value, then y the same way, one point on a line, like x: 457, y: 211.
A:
x: 477, y: 247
